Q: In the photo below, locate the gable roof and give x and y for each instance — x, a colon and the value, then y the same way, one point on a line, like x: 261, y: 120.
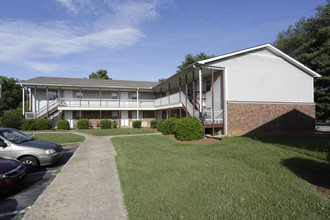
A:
x: 91, y: 83
x: 269, y: 47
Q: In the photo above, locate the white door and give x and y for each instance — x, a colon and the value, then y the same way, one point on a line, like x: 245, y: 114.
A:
x: 123, y: 99
x: 124, y: 119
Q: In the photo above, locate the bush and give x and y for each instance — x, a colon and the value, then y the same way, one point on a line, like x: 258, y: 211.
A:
x: 106, y: 124
x: 115, y: 124
x: 28, y: 124
x: 189, y: 128
x: 82, y: 124
x: 153, y: 124
x: 12, y: 119
x: 169, y: 126
x: 43, y: 124
x: 160, y: 125
x: 63, y: 124
x: 136, y: 124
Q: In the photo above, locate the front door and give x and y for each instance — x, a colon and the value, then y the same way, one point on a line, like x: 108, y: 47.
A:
x: 124, y: 119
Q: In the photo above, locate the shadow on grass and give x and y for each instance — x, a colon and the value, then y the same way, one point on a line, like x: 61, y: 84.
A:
x: 316, y: 173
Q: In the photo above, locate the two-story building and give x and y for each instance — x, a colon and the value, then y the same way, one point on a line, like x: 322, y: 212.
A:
x: 258, y: 90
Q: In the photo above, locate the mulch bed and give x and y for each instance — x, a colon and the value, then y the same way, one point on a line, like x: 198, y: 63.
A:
x: 200, y: 141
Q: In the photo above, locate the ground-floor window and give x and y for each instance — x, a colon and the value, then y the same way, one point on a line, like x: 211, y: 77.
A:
x: 114, y: 115
x: 134, y: 114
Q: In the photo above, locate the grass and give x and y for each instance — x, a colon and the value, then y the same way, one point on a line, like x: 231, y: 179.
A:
x: 117, y: 131
x: 241, y: 178
x: 60, y: 137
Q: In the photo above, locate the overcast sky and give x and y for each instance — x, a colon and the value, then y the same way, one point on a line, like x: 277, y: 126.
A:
x: 133, y: 40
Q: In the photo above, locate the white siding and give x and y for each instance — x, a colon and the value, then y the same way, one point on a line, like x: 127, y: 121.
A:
x: 263, y: 76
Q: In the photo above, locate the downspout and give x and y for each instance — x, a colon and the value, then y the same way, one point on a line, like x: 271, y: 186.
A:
x: 137, y: 104
x: 23, y: 99
x: 200, y: 91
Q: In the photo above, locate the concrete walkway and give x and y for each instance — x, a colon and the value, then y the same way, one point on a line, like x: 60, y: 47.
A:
x: 88, y: 186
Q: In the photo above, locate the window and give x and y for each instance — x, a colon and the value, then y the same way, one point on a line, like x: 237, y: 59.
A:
x: 78, y: 115
x: 79, y: 94
x: 134, y: 115
x: 114, y: 95
x: 52, y: 94
x: 114, y: 115
x: 133, y: 95
x: 208, y: 86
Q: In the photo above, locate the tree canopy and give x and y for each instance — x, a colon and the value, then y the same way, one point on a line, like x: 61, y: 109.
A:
x: 190, y: 59
x: 161, y: 79
x: 11, y: 95
x: 100, y: 74
x: 308, y: 42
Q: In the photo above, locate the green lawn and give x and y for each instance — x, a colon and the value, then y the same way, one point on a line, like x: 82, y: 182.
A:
x: 117, y: 131
x: 60, y: 138
x: 240, y: 178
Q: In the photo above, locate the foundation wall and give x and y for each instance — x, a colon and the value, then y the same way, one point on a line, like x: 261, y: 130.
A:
x: 267, y: 118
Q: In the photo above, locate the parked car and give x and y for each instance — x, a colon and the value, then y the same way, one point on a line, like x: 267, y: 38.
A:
x: 11, y: 172
x: 30, y: 151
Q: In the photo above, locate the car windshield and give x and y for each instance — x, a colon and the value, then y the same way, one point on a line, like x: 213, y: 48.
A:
x: 15, y: 136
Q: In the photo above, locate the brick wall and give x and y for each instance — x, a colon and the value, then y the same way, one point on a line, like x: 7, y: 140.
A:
x: 264, y: 118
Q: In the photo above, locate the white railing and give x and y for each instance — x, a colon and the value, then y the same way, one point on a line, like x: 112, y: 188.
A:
x: 107, y: 103
x: 189, y: 106
x: 174, y: 99
x: 218, y: 117
x: 51, y: 105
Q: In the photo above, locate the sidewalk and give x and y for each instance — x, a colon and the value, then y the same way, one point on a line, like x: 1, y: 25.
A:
x: 88, y: 186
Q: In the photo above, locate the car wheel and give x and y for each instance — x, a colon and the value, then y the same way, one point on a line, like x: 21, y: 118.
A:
x: 30, y: 162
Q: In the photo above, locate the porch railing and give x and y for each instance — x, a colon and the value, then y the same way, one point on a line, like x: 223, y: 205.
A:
x: 106, y: 103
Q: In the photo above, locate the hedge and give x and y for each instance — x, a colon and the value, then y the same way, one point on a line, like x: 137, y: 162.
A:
x: 115, y: 124
x: 106, y: 124
x: 28, y: 124
x: 169, y: 126
x: 153, y: 124
x: 136, y: 124
x: 82, y: 124
x: 189, y: 128
x: 63, y: 124
x: 160, y: 125
x: 12, y: 119
x: 43, y: 124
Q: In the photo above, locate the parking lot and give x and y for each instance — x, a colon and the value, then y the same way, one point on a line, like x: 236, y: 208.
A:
x: 14, y: 204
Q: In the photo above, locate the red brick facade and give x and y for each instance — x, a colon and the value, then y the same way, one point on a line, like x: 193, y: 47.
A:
x: 264, y: 118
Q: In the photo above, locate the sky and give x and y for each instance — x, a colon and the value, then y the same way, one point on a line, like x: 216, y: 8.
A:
x: 142, y: 40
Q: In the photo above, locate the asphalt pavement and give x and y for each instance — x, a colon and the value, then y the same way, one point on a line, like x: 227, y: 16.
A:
x: 15, y: 203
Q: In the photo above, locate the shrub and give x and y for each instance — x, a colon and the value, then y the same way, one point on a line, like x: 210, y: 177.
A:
x: 82, y: 124
x: 115, y: 124
x: 136, y: 124
x: 153, y: 124
x: 43, y: 124
x: 12, y: 119
x: 106, y: 124
x: 63, y: 124
x: 160, y: 125
x: 189, y: 128
x: 28, y: 124
x: 169, y: 126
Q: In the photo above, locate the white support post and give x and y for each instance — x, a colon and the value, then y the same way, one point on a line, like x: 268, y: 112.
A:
x: 137, y: 104
x: 23, y: 100
x: 200, y: 90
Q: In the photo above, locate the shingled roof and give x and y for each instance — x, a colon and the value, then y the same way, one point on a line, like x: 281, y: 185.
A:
x: 91, y: 83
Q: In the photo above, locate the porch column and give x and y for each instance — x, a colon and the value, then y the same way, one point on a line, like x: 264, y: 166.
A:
x: 119, y: 118
x: 200, y: 91
x: 23, y: 100
x: 155, y: 112
x: 212, y: 102
x: 59, y: 103
x: 180, y: 97
x: 161, y: 96
x: 47, y: 100
x: 80, y: 103
x: 137, y: 104
x: 223, y: 101
x: 194, y: 98
x: 30, y: 99
x: 35, y: 102
x: 119, y: 97
x: 100, y: 116
x: 100, y: 96
x: 186, y: 95
x: 169, y: 99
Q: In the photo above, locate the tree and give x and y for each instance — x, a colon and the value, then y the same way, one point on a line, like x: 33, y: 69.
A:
x: 161, y: 80
x: 308, y: 42
x: 100, y: 74
x: 11, y: 95
x: 190, y: 59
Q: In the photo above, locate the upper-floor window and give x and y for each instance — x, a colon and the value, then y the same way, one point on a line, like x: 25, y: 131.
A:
x: 114, y: 95
x: 52, y: 94
x: 79, y: 94
x: 133, y: 95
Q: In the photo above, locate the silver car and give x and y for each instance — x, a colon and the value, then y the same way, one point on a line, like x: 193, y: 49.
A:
x: 28, y: 150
